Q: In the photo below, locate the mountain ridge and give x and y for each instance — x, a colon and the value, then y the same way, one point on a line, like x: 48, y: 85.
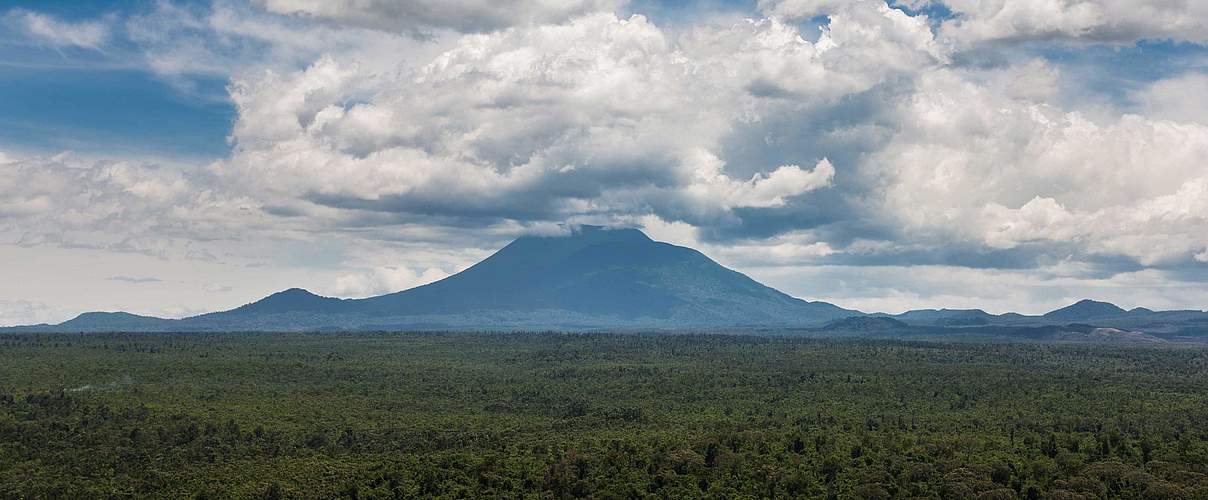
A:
x: 602, y: 278
x: 594, y: 277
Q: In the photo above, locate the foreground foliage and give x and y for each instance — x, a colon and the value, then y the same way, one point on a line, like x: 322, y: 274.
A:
x: 600, y: 415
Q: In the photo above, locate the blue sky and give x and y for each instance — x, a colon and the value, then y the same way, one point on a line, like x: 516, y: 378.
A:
x: 883, y: 157
x: 105, y: 99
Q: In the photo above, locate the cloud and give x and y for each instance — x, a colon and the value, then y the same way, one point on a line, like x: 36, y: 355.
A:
x: 419, y: 16
x: 217, y: 288
x: 60, y: 34
x: 976, y: 22
x: 601, y: 118
x: 762, y: 191
x: 67, y: 200
x: 970, y: 163
x: 547, y: 123
x: 381, y: 280
x: 136, y: 280
x: 1109, y: 21
x: 1182, y: 98
x: 228, y: 39
x: 896, y: 289
x: 24, y: 312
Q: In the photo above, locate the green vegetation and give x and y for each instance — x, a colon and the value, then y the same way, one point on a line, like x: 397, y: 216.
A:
x: 610, y: 416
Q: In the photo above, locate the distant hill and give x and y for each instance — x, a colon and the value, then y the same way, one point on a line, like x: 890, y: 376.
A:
x: 947, y: 317
x: 111, y: 321
x: 289, y: 301
x: 1085, y: 310
x: 866, y: 324
x: 599, y: 278
x: 592, y: 278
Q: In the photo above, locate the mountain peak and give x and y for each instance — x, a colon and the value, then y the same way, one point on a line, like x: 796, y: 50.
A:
x: 601, y: 276
x: 1085, y: 308
x: 109, y: 320
x: 116, y: 315
x: 588, y: 277
x: 290, y: 300
x: 294, y: 292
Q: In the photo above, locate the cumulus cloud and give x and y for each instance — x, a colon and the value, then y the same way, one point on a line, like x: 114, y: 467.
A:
x: 602, y: 117
x: 1112, y: 21
x: 895, y: 289
x: 713, y: 188
x: 384, y: 279
x: 141, y: 207
x: 422, y: 15
x: 975, y: 22
x: 1181, y: 98
x: 228, y: 39
x: 58, y: 33
x: 594, y: 116
x: 24, y: 312
x: 973, y: 163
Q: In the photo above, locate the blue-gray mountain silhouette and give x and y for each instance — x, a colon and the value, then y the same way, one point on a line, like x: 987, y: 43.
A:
x: 592, y: 278
x: 1085, y: 310
x: 619, y: 273
x: 598, y: 278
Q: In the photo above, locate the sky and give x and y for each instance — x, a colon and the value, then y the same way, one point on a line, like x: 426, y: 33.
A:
x: 176, y: 157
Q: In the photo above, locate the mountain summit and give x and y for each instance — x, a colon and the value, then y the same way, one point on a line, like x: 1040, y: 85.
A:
x: 1085, y: 309
x: 594, y: 277
x: 604, y: 276
x: 599, y: 278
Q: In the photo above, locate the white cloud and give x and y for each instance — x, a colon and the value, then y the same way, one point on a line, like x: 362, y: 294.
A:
x: 1182, y: 98
x: 763, y: 190
x: 380, y: 280
x: 552, y: 122
x: 1035, y: 80
x: 24, y: 312
x: 57, y: 33
x: 141, y: 207
x: 230, y: 39
x: 896, y: 289
x: 975, y: 22
x: 1115, y: 21
x: 418, y: 16
x: 971, y: 163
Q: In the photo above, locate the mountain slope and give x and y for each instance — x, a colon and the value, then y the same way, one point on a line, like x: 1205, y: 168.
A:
x: 619, y: 273
x: 292, y: 300
x: 946, y: 317
x: 597, y: 278
x: 112, y: 321
x: 1084, y: 310
x: 592, y: 278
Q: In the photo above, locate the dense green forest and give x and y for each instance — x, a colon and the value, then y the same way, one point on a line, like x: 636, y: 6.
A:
x: 595, y: 415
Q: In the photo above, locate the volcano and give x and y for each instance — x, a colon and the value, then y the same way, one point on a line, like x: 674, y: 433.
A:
x: 592, y: 278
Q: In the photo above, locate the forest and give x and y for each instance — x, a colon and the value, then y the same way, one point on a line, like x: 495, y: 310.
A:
x: 596, y: 415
